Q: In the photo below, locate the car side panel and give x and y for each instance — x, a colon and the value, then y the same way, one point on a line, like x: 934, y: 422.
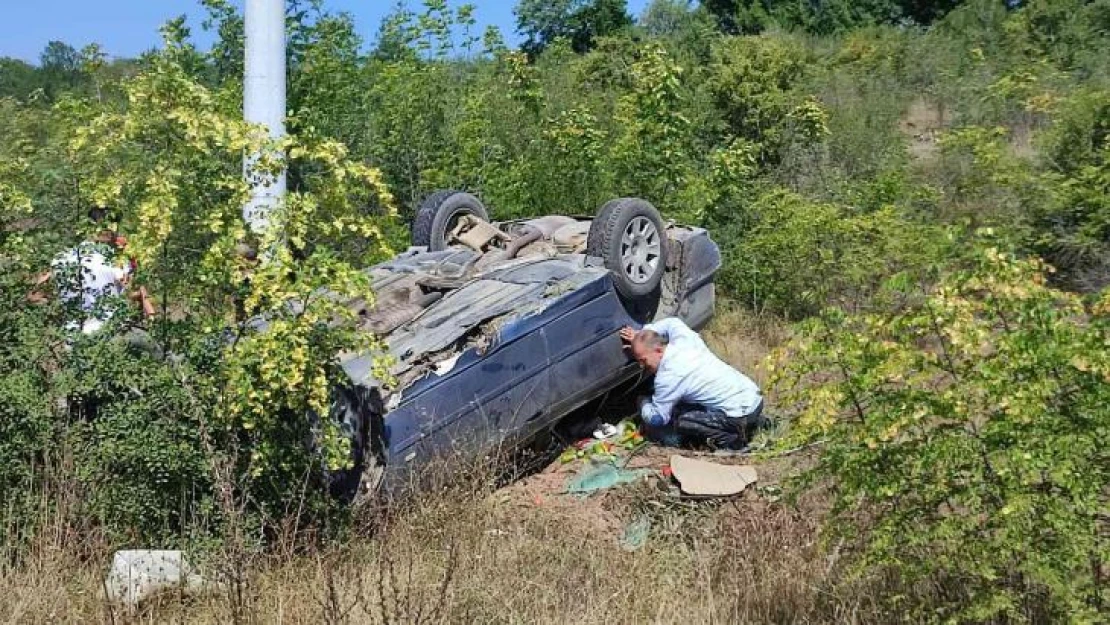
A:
x: 586, y: 354
x: 699, y: 262
x: 696, y: 309
x: 475, y: 405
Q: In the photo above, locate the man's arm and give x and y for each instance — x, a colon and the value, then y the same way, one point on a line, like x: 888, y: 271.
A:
x: 139, y: 294
x: 671, y: 327
x: 36, y: 295
x: 144, y: 301
x: 657, y: 410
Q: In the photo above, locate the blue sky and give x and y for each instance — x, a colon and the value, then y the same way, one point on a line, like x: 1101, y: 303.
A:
x: 128, y: 27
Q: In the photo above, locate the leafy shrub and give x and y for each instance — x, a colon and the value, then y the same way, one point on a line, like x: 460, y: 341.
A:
x: 136, y: 442
x: 1059, y: 211
x: 28, y: 441
x: 792, y: 256
x: 964, y: 436
x: 650, y: 154
x: 862, y: 86
x: 754, y: 84
x: 247, y: 347
x: 1072, y: 33
x: 1073, y: 225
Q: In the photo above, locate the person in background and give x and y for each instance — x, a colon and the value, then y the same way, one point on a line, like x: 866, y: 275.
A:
x: 89, y: 279
x: 698, y: 399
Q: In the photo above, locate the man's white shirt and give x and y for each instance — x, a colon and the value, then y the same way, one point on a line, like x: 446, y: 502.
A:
x: 690, y: 373
x: 86, y: 277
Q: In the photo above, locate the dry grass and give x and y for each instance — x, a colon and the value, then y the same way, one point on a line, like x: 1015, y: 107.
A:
x: 524, y: 554
x: 743, y: 339
x: 527, y: 553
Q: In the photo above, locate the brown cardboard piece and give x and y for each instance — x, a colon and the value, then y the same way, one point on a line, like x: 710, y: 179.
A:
x: 700, y: 478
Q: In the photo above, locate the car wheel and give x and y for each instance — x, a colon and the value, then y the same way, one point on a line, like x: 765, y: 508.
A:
x: 629, y: 237
x: 440, y: 213
x: 365, y: 476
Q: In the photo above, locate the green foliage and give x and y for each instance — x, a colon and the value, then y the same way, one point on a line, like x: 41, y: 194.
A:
x: 1074, y: 222
x: 61, y: 67
x: 736, y: 17
x: 1072, y: 33
x: 576, y: 152
x: 1056, y: 206
x: 830, y: 16
x: 28, y: 430
x: 135, y: 436
x: 651, y: 153
x: 720, y: 196
x: 754, y: 86
x: 226, y: 55
x: 325, y: 97
x: 983, y: 176
x: 865, y: 87
x: 964, y: 432
x: 62, y: 71
x: 412, y: 106
x: 792, y: 256
x: 241, y: 355
x: 665, y: 18
x: 18, y: 79
x: 581, y: 22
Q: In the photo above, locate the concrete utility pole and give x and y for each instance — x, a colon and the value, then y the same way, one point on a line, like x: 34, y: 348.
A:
x: 264, y: 97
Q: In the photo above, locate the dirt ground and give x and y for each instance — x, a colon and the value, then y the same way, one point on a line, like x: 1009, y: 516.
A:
x: 921, y: 125
x: 604, y: 513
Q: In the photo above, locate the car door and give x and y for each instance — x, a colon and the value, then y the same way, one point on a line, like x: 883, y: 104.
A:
x: 587, y: 357
x: 485, y: 399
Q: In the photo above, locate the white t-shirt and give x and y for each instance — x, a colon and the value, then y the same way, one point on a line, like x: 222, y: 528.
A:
x: 89, y: 288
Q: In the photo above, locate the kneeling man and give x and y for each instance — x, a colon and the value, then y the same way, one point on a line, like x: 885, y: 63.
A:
x: 698, y: 399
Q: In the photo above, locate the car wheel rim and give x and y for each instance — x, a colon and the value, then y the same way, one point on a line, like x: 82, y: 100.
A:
x: 640, y: 250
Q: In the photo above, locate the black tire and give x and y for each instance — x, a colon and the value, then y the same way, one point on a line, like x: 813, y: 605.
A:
x: 437, y: 214
x: 639, y: 283
x: 350, y: 412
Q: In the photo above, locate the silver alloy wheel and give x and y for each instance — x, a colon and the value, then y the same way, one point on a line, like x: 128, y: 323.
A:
x: 640, y: 247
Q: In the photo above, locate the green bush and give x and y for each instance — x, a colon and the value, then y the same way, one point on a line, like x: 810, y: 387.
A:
x: 964, y: 436
x: 1073, y: 226
x: 136, y: 443
x: 792, y: 256
x: 754, y: 84
x: 651, y: 152
x: 144, y: 433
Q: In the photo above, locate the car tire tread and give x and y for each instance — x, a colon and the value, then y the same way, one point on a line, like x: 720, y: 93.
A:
x: 435, y: 213
x: 607, y: 229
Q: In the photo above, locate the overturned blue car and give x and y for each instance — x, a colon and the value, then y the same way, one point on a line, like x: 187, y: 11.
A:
x: 498, y: 331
